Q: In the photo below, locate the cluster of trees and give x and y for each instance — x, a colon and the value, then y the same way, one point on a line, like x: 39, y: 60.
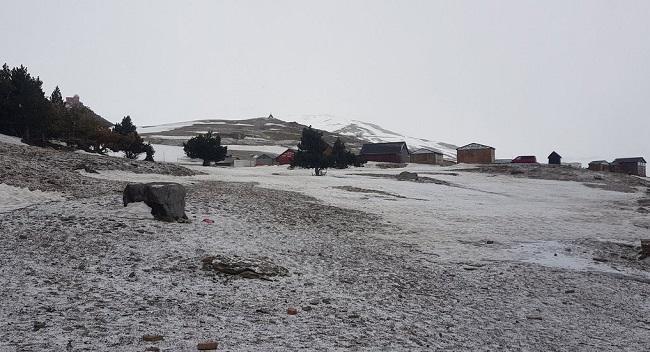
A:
x: 314, y: 153
x: 126, y: 139
x: 26, y: 112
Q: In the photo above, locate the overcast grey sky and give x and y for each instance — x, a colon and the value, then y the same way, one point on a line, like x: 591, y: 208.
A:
x: 523, y: 76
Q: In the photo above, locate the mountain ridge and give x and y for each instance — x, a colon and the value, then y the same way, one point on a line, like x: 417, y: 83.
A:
x: 286, y: 132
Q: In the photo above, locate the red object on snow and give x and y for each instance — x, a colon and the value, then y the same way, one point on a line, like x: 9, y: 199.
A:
x: 525, y: 159
x: 208, y: 221
x: 286, y: 157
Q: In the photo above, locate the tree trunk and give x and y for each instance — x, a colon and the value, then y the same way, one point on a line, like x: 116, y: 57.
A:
x: 317, y: 171
x: 206, y: 162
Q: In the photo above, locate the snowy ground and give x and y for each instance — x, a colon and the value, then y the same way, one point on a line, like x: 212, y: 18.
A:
x: 529, y: 220
x: 175, y: 154
x: 10, y: 140
x: 15, y: 197
x: 474, y: 262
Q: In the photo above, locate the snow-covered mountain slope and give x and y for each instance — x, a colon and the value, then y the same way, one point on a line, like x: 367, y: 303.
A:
x: 268, y: 131
x: 176, y: 125
x: 371, y: 132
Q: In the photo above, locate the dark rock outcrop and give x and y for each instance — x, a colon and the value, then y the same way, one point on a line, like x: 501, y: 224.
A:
x: 249, y: 268
x: 407, y: 176
x: 166, y: 199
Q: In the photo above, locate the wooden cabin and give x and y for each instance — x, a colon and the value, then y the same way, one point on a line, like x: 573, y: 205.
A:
x: 394, y: 152
x: 426, y: 156
x: 630, y: 166
x: 475, y: 153
x: 554, y: 159
x: 598, y: 165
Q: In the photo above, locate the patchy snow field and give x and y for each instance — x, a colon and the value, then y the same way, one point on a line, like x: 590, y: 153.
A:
x: 527, y: 219
x: 465, y: 262
x: 171, y: 126
x: 175, y: 154
x: 11, y: 140
x: 12, y: 198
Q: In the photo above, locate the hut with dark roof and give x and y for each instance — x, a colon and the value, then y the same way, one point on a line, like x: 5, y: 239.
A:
x: 394, y: 152
x: 265, y: 159
x: 475, y: 153
x: 554, y: 159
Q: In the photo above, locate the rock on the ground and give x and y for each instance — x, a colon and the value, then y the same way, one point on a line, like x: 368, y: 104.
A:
x: 407, y: 176
x: 249, y: 268
x: 207, y: 346
x: 166, y: 199
x: 152, y: 338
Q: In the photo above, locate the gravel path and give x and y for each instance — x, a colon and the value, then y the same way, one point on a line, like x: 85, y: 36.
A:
x: 87, y: 274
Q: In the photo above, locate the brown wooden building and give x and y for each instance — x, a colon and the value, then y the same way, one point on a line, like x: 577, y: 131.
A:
x: 475, y: 153
x: 427, y: 156
x: 598, y: 165
x: 630, y: 166
x: 394, y: 152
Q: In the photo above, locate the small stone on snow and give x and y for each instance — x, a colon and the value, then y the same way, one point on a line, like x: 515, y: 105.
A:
x: 206, y: 345
x: 152, y: 338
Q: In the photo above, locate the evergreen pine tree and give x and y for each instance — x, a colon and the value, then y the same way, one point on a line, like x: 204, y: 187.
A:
x: 205, y: 146
x: 6, y: 87
x: 125, y: 127
x: 148, y: 148
x: 23, y: 106
x: 129, y: 141
x: 132, y: 145
x: 56, y: 98
x: 56, y: 116
x: 311, y: 151
x: 341, y: 157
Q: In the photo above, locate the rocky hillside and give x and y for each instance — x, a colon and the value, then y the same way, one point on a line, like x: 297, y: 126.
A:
x: 272, y: 131
x: 58, y: 171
